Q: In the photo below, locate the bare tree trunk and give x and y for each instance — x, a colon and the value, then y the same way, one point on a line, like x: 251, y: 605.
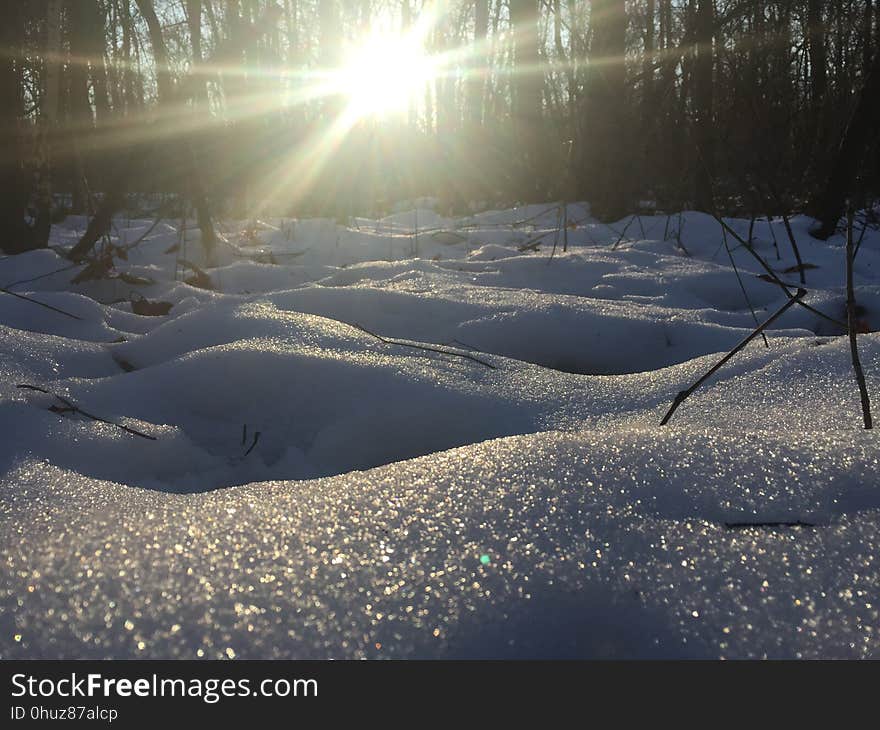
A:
x: 194, y: 22
x: 528, y: 85
x: 852, y: 326
x: 443, y: 110
x: 406, y: 18
x: 817, y: 53
x: 574, y: 54
x: 168, y: 102
x: 160, y: 52
x: 197, y: 191
x: 80, y: 109
x: 859, y: 135
x: 15, y: 234
x: 649, y: 111
x: 93, y: 27
x: 877, y: 24
x: 703, y: 98
x: 128, y: 75
x: 476, y: 80
x: 115, y: 198
x: 606, y: 138
x: 48, y: 122
x: 336, y: 198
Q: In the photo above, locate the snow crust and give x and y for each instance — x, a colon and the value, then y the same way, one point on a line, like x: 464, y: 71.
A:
x: 400, y: 502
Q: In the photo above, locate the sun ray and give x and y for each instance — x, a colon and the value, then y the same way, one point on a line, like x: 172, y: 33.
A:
x: 378, y: 77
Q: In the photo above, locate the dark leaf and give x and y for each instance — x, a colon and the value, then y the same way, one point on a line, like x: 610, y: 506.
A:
x: 799, y: 267
x: 98, y: 269
x: 199, y: 278
x: 135, y: 280
x: 145, y: 308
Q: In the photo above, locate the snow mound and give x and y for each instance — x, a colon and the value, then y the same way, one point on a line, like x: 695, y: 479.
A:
x: 384, y: 445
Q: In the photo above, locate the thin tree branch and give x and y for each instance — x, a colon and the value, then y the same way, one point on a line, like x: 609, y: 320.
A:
x: 851, y: 321
x: 682, y: 396
x: 71, y: 407
x: 742, y: 286
x: 388, y: 341
x: 41, y: 276
x: 42, y: 304
x: 775, y: 278
x: 253, y: 443
x: 794, y: 247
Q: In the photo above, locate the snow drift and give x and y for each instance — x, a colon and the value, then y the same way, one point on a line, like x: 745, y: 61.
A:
x: 321, y: 485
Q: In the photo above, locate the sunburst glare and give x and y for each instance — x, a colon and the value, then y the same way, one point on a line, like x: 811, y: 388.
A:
x: 384, y: 73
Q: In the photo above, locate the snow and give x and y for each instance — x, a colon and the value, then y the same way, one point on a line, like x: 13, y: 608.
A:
x: 401, y: 502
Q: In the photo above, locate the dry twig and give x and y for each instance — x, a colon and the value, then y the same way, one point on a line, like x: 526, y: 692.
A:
x: 42, y: 304
x: 71, y: 407
x: 682, y: 396
x: 427, y: 348
x: 851, y: 322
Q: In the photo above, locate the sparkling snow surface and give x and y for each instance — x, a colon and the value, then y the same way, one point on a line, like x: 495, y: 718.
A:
x: 405, y: 503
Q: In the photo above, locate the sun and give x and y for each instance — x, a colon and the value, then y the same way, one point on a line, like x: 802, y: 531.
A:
x: 383, y: 74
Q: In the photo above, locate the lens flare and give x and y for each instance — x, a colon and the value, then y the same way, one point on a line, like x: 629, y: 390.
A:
x: 384, y: 74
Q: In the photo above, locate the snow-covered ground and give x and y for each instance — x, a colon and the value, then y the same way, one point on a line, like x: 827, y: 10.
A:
x: 312, y: 490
